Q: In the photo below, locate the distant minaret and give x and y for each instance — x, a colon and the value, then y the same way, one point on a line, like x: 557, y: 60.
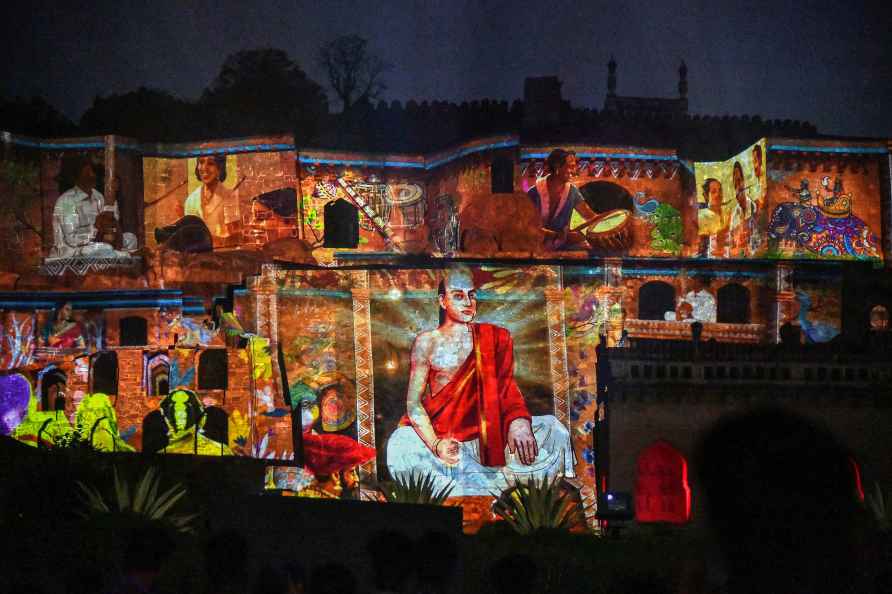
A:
x: 683, y: 80
x: 611, y: 77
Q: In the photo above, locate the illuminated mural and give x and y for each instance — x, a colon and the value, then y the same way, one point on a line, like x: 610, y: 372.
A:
x: 392, y: 216
x: 731, y: 204
x: 83, y: 205
x: 605, y: 202
x: 220, y: 201
x: 818, y: 220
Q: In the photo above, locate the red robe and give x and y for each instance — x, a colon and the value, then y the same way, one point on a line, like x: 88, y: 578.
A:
x: 482, y: 398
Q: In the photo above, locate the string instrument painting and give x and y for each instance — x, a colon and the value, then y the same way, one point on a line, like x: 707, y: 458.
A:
x: 108, y: 230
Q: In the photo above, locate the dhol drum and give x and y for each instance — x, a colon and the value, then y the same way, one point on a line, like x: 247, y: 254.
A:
x: 611, y: 231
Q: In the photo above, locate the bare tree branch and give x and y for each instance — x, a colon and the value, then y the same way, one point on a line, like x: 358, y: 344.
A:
x: 354, y: 74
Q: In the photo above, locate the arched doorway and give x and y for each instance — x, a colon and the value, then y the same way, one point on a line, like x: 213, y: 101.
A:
x: 655, y: 298
x: 604, y: 196
x: 662, y: 493
x: 733, y: 304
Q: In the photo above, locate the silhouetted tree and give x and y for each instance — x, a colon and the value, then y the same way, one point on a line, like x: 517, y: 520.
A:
x: 263, y: 91
x: 146, y: 114
x: 354, y: 74
x: 34, y: 117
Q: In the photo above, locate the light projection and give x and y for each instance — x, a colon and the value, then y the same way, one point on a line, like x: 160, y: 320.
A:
x: 81, y: 201
x: 464, y: 420
x: 220, y: 201
x: 824, y: 214
x: 731, y: 203
x: 587, y: 200
x: 392, y: 215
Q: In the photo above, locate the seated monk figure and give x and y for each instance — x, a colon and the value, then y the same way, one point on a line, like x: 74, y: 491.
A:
x: 467, y: 423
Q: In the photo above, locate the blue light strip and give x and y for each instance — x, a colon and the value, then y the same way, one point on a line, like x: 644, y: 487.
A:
x: 587, y: 155
x: 27, y: 304
x: 581, y: 271
x: 221, y: 150
x: 359, y: 162
x: 470, y: 151
x: 867, y: 150
x: 57, y: 146
x: 425, y: 165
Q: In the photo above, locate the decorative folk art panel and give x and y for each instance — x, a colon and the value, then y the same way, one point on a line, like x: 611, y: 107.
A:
x: 479, y: 376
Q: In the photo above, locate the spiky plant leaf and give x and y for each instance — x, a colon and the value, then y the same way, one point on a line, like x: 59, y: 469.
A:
x: 141, y: 493
x: 415, y: 487
x: 145, y: 500
x: 122, y: 491
x: 92, y: 499
x: 532, y: 505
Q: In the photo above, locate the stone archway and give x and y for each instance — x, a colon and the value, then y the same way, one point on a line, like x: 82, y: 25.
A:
x: 603, y: 196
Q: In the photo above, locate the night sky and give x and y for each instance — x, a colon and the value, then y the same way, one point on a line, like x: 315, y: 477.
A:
x: 826, y: 62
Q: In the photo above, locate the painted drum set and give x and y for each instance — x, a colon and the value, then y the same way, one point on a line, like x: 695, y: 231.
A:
x: 609, y: 231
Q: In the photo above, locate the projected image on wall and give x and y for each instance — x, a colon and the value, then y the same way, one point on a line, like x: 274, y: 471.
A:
x: 731, y: 203
x: 83, y: 206
x: 218, y: 201
x: 463, y: 385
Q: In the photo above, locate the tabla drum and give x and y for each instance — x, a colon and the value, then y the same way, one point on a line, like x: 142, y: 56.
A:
x: 611, y: 231
x: 408, y: 199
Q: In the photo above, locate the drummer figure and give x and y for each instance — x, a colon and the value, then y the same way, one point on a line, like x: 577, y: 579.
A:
x: 555, y: 199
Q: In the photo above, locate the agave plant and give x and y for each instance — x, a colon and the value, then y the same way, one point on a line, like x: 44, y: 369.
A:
x: 876, y: 503
x: 144, y: 501
x: 532, y: 505
x: 415, y: 488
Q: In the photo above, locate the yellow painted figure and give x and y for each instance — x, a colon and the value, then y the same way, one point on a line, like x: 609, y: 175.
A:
x: 42, y: 427
x: 185, y: 418
x: 97, y: 421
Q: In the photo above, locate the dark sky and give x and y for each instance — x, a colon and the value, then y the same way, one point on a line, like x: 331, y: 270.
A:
x: 826, y: 62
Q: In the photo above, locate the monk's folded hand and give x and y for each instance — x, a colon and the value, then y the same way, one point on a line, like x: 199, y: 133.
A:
x: 448, y: 450
x: 521, y: 441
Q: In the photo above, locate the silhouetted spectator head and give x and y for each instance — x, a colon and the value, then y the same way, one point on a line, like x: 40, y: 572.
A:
x: 332, y: 578
x: 436, y: 561
x: 514, y: 574
x: 393, y: 559
x: 270, y: 581
x: 781, y: 499
x: 297, y: 577
x: 226, y: 561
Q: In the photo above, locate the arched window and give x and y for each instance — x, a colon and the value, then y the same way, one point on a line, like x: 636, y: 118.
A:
x: 104, y: 373
x: 604, y: 196
x: 133, y: 331
x: 502, y: 175
x: 733, y: 305
x: 856, y: 476
x: 662, y: 493
x: 879, y: 318
x: 154, y: 432
x: 655, y: 299
x: 216, y: 425
x: 341, y: 224
x: 213, y: 370
x: 157, y: 375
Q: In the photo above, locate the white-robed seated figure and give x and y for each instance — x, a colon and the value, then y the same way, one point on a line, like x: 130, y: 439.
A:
x: 467, y: 424
x: 75, y: 232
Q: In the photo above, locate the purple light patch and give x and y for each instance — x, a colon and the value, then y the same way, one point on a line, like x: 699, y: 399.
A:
x: 14, y: 393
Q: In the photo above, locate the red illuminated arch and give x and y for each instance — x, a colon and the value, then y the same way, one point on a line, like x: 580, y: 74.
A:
x: 662, y: 493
